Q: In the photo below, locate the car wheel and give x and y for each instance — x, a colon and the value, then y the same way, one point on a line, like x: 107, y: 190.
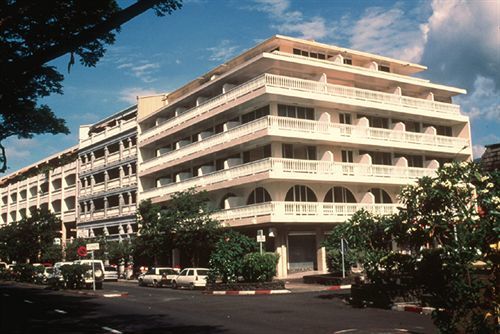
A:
x: 191, y: 286
x: 155, y: 284
x: 141, y: 283
x: 174, y: 285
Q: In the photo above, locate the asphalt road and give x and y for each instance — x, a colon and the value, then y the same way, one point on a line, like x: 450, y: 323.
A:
x: 27, y: 309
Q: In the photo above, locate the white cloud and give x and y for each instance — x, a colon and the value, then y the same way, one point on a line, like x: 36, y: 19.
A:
x: 482, y: 103
x: 130, y: 94
x: 223, y: 51
x: 292, y: 22
x: 477, y: 151
x: 390, y: 32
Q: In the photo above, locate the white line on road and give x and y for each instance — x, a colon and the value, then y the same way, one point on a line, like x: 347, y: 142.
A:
x: 345, y: 331
x: 111, y: 330
x: 60, y: 311
x: 28, y: 301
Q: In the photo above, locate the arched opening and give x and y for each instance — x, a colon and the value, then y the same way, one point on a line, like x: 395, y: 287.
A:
x: 300, y: 193
x: 381, y: 196
x: 258, y: 195
x: 339, y: 195
x: 223, y: 204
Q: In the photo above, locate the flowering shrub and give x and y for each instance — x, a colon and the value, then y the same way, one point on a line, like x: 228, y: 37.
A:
x: 449, y: 224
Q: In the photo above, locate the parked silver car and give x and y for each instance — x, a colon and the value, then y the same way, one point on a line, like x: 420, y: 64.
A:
x: 191, y: 278
x: 158, y: 277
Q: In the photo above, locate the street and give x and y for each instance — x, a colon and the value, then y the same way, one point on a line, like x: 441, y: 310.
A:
x: 33, y: 309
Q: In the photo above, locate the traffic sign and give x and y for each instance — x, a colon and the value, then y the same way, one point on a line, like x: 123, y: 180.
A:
x: 93, y: 246
x: 82, y: 251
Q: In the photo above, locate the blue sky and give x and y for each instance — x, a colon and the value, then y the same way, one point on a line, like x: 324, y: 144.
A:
x: 459, y: 41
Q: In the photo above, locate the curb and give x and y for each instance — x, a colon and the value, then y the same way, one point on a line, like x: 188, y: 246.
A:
x: 413, y: 308
x: 338, y: 287
x: 246, y: 292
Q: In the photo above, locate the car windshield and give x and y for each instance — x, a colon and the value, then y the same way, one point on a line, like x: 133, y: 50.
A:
x: 202, y: 272
x: 167, y: 272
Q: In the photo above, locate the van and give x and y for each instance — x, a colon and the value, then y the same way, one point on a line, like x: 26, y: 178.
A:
x: 98, y: 272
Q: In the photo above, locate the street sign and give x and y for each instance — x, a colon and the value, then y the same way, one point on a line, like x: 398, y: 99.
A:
x: 93, y: 247
x: 82, y: 251
x: 261, y: 238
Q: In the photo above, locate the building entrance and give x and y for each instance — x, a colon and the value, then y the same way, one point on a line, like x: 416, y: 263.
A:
x: 302, y: 252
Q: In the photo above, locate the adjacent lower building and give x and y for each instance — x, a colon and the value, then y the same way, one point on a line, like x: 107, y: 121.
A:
x: 107, y: 158
x: 293, y: 136
x: 47, y: 184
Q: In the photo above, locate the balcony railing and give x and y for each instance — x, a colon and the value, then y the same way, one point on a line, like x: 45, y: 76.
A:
x: 302, y: 212
x: 126, y: 181
x: 296, y: 169
x: 294, y: 127
x: 108, y: 213
x: 112, y: 159
x: 290, y: 83
x: 121, y: 127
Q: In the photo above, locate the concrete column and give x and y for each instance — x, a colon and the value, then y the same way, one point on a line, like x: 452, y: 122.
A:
x: 105, y: 206
x: 92, y: 183
x: 92, y: 159
x: 121, y: 175
x: 281, y: 249
x: 120, y: 202
x: 106, y: 180
x: 321, y: 251
x: 121, y: 148
x: 129, y: 166
x: 106, y: 154
x: 92, y: 209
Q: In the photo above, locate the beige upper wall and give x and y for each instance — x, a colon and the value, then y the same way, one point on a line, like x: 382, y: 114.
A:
x: 146, y: 105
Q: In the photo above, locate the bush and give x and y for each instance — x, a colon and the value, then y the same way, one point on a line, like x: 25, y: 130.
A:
x: 73, y: 275
x: 226, y: 261
x: 259, y: 267
x: 25, y: 272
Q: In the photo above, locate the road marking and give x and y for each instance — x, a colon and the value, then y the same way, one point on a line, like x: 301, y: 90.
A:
x: 60, y: 311
x: 111, y: 330
x: 28, y: 301
x: 5, y: 294
x: 345, y: 331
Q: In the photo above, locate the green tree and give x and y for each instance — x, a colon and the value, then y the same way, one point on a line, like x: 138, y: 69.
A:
x: 226, y: 261
x: 156, y: 234
x: 448, y: 225
x: 31, y: 238
x: 33, y: 33
x: 195, y: 231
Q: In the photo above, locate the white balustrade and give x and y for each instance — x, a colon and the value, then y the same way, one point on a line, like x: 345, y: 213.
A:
x: 303, y: 211
x: 296, y: 169
x: 311, y: 86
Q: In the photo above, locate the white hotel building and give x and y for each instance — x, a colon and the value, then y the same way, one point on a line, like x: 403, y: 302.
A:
x: 294, y: 136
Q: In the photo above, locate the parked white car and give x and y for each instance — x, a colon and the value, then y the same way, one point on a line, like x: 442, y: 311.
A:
x: 110, y: 273
x: 191, y: 278
x: 158, y: 277
x: 98, y: 273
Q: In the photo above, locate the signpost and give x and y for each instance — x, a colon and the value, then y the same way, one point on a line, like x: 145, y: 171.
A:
x: 343, y: 250
x: 261, y: 238
x: 93, y: 247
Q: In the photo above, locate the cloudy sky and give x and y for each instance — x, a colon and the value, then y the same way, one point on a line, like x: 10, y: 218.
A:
x: 459, y: 41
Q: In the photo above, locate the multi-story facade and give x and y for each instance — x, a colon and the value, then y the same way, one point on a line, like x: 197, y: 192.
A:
x: 294, y: 136
x: 50, y: 184
x: 107, y: 177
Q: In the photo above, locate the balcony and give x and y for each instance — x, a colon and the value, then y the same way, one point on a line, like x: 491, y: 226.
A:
x: 126, y: 181
x: 299, y: 128
x: 295, y: 169
x: 112, y: 160
x: 298, y: 212
x: 112, y: 212
x: 109, y: 132
x: 296, y: 87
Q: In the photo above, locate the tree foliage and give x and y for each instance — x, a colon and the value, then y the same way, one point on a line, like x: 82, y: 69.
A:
x: 226, y: 261
x: 183, y: 223
x: 32, y: 238
x: 450, y: 223
x: 33, y: 33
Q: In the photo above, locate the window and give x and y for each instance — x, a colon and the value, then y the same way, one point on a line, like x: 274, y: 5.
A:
x: 287, y: 151
x: 256, y: 114
x: 312, y: 54
x: 384, y: 68
x: 381, y: 196
x: 348, y: 61
x: 259, y: 195
x: 311, y: 153
x: 379, y: 158
x: 339, y: 195
x: 413, y: 160
x: 295, y: 112
x: 345, y: 119
x: 300, y: 194
x: 347, y: 156
x: 441, y: 130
